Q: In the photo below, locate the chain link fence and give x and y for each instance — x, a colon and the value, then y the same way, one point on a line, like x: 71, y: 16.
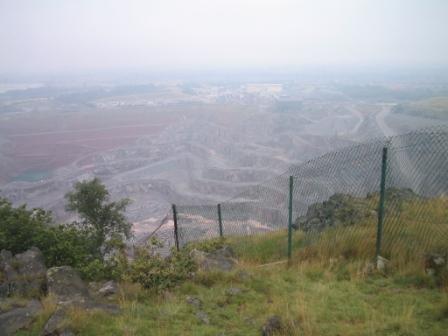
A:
x: 384, y: 197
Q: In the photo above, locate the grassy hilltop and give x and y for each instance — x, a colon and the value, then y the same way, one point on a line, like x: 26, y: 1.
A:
x: 330, y: 287
x: 311, y: 298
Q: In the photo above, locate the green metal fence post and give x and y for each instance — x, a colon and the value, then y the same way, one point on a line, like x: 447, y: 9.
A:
x: 379, y: 233
x: 291, y: 181
x: 220, y: 221
x: 176, y: 233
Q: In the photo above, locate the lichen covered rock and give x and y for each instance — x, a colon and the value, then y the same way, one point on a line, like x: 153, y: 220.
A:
x: 23, y: 274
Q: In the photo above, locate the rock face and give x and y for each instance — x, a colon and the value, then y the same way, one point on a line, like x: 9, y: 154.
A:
x: 219, y: 260
x: 22, y: 274
x: 65, y: 284
x: 18, y: 318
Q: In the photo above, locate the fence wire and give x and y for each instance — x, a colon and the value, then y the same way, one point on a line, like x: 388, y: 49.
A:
x: 416, y: 218
x: 336, y: 199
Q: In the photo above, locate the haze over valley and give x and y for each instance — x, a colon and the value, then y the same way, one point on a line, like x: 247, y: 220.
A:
x: 190, y: 142
x: 192, y: 102
x: 237, y: 167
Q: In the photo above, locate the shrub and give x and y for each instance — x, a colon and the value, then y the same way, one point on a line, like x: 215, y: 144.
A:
x: 155, y: 272
x: 21, y: 228
x: 208, y: 245
x: 65, y: 245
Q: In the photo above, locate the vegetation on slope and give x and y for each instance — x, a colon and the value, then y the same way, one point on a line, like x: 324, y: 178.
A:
x: 94, y: 244
x: 330, y: 287
x: 311, y: 298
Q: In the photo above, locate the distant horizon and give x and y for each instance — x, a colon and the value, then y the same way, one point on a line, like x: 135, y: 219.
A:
x: 374, y: 72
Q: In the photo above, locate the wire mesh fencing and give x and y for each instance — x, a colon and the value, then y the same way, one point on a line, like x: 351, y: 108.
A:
x: 334, y: 198
x: 388, y: 196
x: 416, y: 203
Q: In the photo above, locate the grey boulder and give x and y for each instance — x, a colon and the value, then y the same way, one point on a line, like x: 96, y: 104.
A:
x: 19, y: 318
x: 66, y: 286
x: 23, y: 274
x: 108, y: 289
x: 219, y: 260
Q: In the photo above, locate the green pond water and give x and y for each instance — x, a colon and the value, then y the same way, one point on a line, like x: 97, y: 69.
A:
x: 32, y: 175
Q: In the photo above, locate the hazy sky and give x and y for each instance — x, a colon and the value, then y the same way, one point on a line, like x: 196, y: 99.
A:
x: 72, y: 35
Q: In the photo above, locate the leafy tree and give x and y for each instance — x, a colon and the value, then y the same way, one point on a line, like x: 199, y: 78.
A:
x: 91, y: 200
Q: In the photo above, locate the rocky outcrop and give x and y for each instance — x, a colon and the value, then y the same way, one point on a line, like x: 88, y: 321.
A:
x: 65, y: 285
x: 25, y: 274
x: 400, y: 195
x: 344, y: 210
x: 340, y: 209
x: 18, y: 318
x: 55, y: 325
x: 219, y: 260
x: 68, y: 289
x: 22, y: 274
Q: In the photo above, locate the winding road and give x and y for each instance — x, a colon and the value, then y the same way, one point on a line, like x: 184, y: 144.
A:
x: 398, y: 156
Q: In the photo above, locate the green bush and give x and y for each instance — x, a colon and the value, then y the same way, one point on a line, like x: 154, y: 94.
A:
x: 21, y: 228
x: 209, y: 245
x: 65, y: 245
x: 95, y: 245
x: 155, y: 272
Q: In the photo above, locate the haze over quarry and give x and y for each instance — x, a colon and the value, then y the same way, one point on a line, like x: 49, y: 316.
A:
x: 190, y: 142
